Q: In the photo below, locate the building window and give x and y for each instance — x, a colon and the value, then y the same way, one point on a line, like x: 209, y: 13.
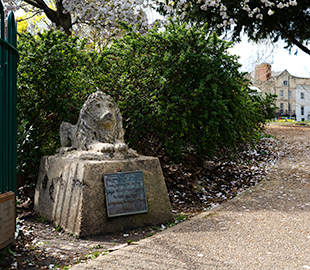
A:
x: 289, y: 94
x: 281, y: 93
x: 302, y: 95
x: 302, y: 110
x: 289, y: 108
x: 285, y: 83
x: 281, y: 108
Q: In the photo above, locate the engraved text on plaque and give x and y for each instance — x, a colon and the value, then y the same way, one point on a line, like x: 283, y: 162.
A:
x: 125, y: 193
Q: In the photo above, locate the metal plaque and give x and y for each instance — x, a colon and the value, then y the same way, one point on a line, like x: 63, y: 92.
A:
x: 125, y: 193
x: 7, y: 219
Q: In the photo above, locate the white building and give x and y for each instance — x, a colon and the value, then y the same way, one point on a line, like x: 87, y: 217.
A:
x: 302, y: 102
x: 293, y: 92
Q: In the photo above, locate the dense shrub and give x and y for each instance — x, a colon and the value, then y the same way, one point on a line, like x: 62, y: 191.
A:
x: 180, y: 89
x: 53, y: 82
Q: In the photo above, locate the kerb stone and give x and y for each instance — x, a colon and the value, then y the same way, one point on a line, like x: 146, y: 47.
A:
x: 70, y: 193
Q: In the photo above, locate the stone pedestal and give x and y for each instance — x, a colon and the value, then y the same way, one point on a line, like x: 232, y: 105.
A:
x: 70, y: 193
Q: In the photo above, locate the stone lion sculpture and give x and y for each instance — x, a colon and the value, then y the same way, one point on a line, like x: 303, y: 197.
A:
x: 99, y: 127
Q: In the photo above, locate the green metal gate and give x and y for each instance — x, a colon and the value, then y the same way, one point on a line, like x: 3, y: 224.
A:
x: 8, y: 126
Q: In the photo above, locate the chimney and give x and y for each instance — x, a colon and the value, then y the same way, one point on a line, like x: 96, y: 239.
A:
x: 262, y: 72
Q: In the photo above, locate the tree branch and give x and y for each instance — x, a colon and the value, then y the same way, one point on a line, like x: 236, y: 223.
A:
x: 51, y: 14
x: 35, y: 3
x: 34, y: 14
x: 292, y: 39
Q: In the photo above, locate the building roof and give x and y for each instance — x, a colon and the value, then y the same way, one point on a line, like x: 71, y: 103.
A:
x: 276, y: 73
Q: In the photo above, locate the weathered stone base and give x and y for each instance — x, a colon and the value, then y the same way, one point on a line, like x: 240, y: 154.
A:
x: 70, y: 193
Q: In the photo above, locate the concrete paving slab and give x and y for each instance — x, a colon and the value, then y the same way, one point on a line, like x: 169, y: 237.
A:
x: 266, y: 227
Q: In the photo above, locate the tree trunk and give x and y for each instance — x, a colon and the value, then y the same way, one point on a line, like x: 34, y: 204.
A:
x: 64, y: 19
x: 61, y: 19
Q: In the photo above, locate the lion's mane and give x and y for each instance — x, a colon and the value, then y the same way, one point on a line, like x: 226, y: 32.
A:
x: 87, y: 130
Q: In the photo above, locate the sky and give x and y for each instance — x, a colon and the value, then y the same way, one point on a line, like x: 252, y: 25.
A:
x: 274, y: 54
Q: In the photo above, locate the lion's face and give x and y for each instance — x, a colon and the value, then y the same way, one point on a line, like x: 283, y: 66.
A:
x: 103, y: 112
x: 99, y: 120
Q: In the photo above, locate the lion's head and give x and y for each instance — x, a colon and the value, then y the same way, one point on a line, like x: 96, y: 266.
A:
x: 99, y: 120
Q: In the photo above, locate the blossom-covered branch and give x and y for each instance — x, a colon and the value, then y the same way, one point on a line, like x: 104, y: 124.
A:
x: 279, y: 19
x: 101, y: 14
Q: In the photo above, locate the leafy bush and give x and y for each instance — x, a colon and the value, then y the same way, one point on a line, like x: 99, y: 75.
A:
x: 179, y: 90
x: 266, y: 105
x: 53, y: 83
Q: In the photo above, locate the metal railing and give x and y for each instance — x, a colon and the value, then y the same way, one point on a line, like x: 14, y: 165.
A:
x: 8, y: 97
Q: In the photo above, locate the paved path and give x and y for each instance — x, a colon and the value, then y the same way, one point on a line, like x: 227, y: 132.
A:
x: 266, y: 227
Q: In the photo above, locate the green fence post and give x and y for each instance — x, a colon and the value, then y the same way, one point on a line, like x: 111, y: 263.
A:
x: 3, y: 184
x: 8, y: 95
x: 12, y: 99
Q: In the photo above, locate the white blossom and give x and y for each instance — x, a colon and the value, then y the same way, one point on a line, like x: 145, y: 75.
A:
x: 223, y: 8
x: 232, y: 21
x: 293, y: 3
x: 204, y: 7
x: 102, y: 13
x: 245, y: 5
x: 212, y: 4
x: 256, y: 10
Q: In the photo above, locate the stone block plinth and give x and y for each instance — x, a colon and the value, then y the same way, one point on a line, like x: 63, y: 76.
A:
x: 70, y: 192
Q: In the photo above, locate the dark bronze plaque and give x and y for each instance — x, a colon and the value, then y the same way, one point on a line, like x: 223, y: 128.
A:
x: 125, y: 193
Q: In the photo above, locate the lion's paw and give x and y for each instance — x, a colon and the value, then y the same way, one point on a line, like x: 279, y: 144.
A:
x: 121, y: 147
x: 101, y: 147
